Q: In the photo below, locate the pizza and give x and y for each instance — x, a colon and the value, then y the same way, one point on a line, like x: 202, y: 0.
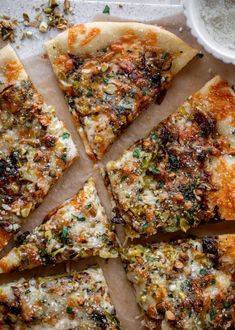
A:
x: 185, y: 284
x: 183, y: 173
x: 35, y: 147
x: 77, y: 301
x: 78, y: 228
x: 110, y: 72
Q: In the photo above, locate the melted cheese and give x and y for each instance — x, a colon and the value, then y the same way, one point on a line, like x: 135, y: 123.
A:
x: 182, y: 173
x: 78, y: 228
x: 61, y: 302
x: 185, y: 284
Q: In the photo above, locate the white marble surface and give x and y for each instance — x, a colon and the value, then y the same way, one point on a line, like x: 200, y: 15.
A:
x: 139, y: 10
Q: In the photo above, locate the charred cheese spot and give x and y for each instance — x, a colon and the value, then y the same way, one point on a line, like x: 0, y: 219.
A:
x: 224, y: 196
x: 222, y: 101
x: 73, y: 33
x: 13, y: 70
x: 90, y: 36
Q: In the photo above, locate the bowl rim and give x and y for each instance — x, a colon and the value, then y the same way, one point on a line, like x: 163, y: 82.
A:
x: 186, y: 7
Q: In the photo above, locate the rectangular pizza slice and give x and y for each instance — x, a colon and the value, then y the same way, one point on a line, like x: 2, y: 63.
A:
x: 78, y: 228
x: 185, y: 284
x: 35, y: 147
x: 63, y: 302
x: 183, y: 172
x: 111, y: 71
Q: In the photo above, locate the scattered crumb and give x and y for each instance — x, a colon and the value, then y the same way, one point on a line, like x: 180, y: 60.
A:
x: 181, y: 29
x: 7, y: 30
x: 29, y: 34
x: 44, y: 56
x: 209, y: 70
x: 43, y: 27
x: 120, y: 6
x: 48, y: 16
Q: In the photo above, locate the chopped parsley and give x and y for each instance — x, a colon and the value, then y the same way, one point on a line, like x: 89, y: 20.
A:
x: 154, y: 170
x: 89, y: 93
x: 65, y: 135
x: 28, y: 125
x: 27, y: 291
x: 212, y: 314
x: 81, y: 219
x: 136, y: 153
x: 64, y: 157
x: 213, y: 281
x: 165, y: 55
x: 43, y: 252
x: 88, y: 206
x: 106, y: 10
x: 124, y: 177
x: 203, y: 272
x: 154, y: 136
x: 226, y: 304
x: 144, y: 225
x: 64, y: 234
x: 69, y: 310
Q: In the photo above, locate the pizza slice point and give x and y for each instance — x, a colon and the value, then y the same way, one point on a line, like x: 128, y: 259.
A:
x: 78, y: 228
x: 185, y: 284
x: 35, y: 147
x: 70, y: 301
x: 110, y: 72
x: 183, y: 173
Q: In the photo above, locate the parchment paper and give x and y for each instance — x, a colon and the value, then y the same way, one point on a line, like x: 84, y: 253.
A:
x: 189, y: 80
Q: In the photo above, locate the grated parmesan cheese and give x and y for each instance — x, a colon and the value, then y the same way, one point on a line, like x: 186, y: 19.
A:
x: 219, y: 20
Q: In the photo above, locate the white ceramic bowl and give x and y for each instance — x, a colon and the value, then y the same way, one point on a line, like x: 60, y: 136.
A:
x: 198, y: 29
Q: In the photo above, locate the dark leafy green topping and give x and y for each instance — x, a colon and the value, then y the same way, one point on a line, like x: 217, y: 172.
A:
x: 203, y: 272
x: 165, y: 55
x: 64, y: 157
x: 136, y: 153
x: 43, y: 252
x: 69, y: 310
x: 28, y: 125
x: 88, y: 206
x: 65, y: 135
x: 89, y: 93
x: 226, y: 304
x: 154, y: 170
x: 78, y: 218
x: 65, y: 234
x: 106, y: 10
x: 212, y: 314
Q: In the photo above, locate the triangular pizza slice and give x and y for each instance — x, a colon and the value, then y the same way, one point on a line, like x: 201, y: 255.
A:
x: 110, y: 72
x: 78, y: 228
x: 185, y: 284
x: 183, y: 173
x: 70, y: 301
x: 35, y: 147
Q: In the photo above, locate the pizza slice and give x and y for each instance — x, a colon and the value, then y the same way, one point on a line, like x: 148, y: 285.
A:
x: 185, y: 284
x: 77, y: 301
x: 111, y: 71
x: 183, y: 172
x: 35, y: 147
x: 78, y: 228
